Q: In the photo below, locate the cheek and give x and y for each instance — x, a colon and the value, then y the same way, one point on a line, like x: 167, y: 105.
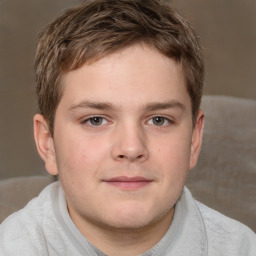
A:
x: 173, y: 156
x: 174, y: 150
x: 78, y: 163
x: 81, y: 159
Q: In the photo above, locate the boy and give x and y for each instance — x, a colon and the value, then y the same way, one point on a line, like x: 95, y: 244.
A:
x: 119, y: 85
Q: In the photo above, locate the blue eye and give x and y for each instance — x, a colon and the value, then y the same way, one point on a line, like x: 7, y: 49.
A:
x: 159, y: 121
x: 95, y: 121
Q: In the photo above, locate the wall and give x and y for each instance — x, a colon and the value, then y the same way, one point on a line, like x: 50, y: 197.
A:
x: 228, y: 34
x: 227, y: 30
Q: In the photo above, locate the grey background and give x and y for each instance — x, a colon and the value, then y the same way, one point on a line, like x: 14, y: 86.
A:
x: 227, y: 29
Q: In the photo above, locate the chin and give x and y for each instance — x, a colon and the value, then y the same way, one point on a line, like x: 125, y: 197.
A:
x: 126, y: 225
x: 135, y: 220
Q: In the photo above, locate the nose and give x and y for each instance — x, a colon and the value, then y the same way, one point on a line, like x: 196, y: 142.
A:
x: 130, y: 144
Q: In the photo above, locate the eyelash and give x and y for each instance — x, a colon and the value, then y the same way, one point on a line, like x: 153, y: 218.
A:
x: 165, y: 121
x: 89, y: 120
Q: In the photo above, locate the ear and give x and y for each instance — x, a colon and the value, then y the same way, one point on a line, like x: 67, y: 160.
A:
x: 45, y: 144
x: 196, y: 139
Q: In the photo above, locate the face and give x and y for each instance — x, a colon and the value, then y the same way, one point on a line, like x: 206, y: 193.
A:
x: 123, y: 139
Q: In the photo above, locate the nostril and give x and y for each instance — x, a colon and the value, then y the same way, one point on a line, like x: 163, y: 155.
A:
x: 121, y: 156
x: 140, y: 156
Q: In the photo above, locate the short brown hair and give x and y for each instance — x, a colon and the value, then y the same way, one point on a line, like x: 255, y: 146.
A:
x: 99, y: 27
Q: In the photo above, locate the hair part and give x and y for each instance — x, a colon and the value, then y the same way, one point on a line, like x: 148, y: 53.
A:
x: 97, y: 28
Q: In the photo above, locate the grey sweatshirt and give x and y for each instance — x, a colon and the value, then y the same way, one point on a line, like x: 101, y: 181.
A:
x: 44, y: 227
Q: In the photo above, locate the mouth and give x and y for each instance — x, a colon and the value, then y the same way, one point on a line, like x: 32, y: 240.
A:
x: 128, y: 183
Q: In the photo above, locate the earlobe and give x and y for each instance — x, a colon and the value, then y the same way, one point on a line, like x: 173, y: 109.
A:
x: 196, y: 139
x: 45, y: 144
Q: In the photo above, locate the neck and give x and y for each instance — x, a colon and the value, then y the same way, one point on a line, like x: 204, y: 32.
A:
x: 135, y: 241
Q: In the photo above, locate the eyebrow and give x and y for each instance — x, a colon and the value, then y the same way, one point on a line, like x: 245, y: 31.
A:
x: 165, y: 105
x: 92, y: 105
x: 149, y: 107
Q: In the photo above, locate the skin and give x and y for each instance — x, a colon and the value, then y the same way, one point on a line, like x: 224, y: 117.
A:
x: 123, y: 145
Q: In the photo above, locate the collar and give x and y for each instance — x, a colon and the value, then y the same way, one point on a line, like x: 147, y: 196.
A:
x: 186, y: 235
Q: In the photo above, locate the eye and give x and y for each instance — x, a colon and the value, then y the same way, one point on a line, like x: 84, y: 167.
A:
x: 159, y: 121
x: 95, y: 121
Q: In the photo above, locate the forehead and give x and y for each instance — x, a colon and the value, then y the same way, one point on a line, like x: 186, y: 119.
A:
x: 135, y: 74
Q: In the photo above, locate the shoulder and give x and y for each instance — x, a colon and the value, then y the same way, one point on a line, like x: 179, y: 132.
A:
x: 225, y: 235
x: 26, y: 228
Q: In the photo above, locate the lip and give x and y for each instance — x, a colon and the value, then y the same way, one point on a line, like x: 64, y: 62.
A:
x: 128, y: 183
